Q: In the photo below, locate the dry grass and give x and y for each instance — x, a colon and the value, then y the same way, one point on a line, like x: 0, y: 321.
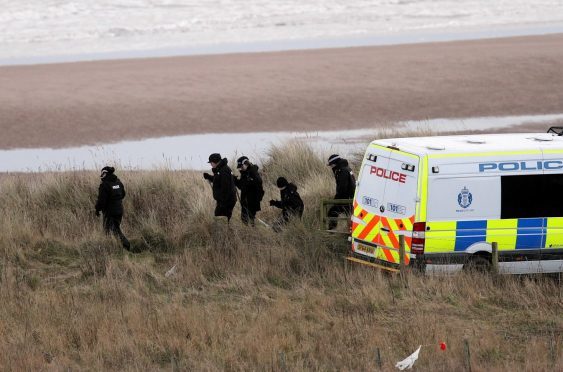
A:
x: 241, y: 298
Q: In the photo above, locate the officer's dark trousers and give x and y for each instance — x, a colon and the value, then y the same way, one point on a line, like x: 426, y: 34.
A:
x: 224, y: 210
x: 284, y: 219
x: 112, y: 225
x: 335, y: 211
x: 247, y: 215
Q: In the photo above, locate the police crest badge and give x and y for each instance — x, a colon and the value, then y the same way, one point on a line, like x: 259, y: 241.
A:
x: 464, y: 198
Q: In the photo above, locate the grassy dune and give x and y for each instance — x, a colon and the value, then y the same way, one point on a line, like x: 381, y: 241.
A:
x: 239, y: 298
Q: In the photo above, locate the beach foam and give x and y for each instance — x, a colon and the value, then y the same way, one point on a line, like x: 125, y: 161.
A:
x: 40, y: 28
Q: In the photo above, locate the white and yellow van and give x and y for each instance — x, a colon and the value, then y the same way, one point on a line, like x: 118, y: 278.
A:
x: 452, y: 196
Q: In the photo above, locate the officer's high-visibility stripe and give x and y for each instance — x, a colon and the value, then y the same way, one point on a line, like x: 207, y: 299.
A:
x: 530, y: 233
x: 503, y: 232
x: 554, y: 233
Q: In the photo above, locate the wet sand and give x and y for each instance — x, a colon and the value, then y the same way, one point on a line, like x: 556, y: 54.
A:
x: 332, y: 89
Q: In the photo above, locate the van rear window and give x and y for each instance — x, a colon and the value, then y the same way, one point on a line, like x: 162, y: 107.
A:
x: 532, y: 196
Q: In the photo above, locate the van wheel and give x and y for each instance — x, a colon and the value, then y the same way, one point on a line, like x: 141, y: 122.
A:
x: 478, y: 263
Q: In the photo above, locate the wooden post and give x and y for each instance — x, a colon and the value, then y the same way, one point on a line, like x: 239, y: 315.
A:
x: 402, y: 261
x: 467, y: 355
x: 378, y: 359
x: 283, y: 365
x: 494, y: 258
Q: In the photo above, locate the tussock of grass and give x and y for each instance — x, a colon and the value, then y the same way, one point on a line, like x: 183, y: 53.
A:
x: 239, y: 298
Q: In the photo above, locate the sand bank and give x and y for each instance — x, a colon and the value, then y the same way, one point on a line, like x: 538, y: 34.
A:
x: 89, y: 103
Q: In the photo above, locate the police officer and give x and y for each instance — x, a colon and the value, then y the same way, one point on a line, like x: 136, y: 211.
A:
x: 251, y: 189
x: 345, y: 187
x: 290, y: 203
x: 110, y: 202
x: 223, y: 183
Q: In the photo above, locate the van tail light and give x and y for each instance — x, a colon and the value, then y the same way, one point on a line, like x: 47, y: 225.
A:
x: 418, y: 238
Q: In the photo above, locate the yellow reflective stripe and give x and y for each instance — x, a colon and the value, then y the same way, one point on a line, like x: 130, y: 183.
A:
x: 367, y: 219
x: 422, y: 190
x: 407, y: 224
x: 358, y: 210
x: 440, y: 237
x: 504, y: 232
x: 393, y: 150
x: 373, y: 233
x: 380, y: 255
x: 393, y: 225
x: 554, y: 151
x: 554, y: 233
x: 380, y: 147
x: 408, y: 154
x: 386, y: 240
x: 395, y: 254
x: 492, y: 153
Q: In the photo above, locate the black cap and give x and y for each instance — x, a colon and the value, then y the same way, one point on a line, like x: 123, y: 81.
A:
x: 333, y: 159
x: 215, y: 158
x: 241, y: 161
x: 282, y: 182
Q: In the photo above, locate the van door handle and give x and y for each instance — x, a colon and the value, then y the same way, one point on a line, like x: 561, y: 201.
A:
x: 385, y: 229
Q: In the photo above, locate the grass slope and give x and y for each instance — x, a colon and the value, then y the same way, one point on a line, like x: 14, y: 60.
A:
x: 240, y: 298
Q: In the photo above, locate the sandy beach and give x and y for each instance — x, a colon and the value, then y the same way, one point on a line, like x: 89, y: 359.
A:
x: 83, y: 103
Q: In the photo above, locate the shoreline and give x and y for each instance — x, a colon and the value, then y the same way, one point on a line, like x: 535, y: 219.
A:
x: 406, y: 37
x: 191, y: 151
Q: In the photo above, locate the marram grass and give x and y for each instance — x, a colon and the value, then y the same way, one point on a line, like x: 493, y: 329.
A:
x: 239, y: 298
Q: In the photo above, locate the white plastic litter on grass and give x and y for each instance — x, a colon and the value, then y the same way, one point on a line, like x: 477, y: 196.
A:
x: 171, y: 272
x: 408, y: 362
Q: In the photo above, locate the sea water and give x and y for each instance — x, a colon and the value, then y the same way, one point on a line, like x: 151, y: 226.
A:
x: 191, y: 151
x: 54, y: 30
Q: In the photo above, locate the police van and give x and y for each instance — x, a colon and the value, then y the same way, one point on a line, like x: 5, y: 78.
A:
x: 452, y: 196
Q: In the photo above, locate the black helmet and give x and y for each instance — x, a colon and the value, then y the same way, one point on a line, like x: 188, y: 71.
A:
x: 106, y: 170
x: 282, y: 182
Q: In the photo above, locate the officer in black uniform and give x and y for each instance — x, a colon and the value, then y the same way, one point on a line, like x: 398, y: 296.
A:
x: 223, y: 183
x: 251, y: 189
x: 345, y: 187
x: 110, y: 202
x: 291, y: 203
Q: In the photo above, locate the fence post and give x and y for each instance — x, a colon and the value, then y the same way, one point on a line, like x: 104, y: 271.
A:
x: 494, y: 258
x: 467, y: 355
x: 378, y: 359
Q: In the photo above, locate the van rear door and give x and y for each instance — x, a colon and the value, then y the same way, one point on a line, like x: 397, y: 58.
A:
x: 385, y: 203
